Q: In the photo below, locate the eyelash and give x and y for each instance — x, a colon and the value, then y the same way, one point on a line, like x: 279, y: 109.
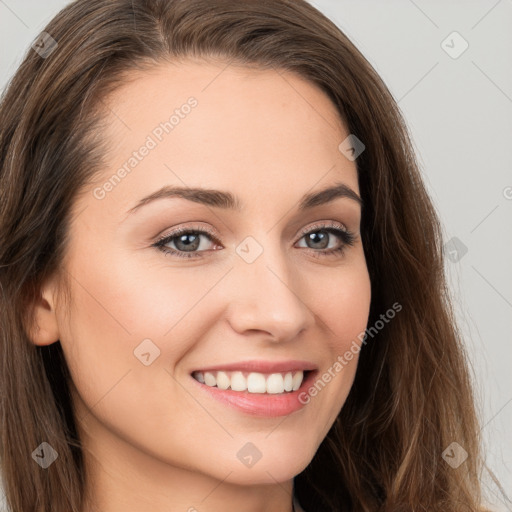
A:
x: 347, y: 238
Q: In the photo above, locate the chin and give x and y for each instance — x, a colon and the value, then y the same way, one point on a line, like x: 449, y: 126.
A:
x: 273, y: 466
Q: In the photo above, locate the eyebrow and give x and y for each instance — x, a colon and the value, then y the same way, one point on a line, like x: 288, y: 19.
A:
x: 226, y: 200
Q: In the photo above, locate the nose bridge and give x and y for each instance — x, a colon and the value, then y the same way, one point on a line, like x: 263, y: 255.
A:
x: 266, y: 296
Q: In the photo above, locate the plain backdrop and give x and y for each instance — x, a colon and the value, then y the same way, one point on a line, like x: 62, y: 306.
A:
x: 448, y: 64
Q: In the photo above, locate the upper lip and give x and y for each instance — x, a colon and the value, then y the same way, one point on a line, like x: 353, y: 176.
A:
x: 261, y: 366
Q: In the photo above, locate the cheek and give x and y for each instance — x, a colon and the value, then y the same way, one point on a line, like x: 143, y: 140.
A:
x: 135, y: 299
x: 123, y: 318
x: 123, y: 312
x: 342, y: 302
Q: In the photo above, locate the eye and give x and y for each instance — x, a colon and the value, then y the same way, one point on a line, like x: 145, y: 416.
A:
x: 319, y: 236
x: 188, y: 242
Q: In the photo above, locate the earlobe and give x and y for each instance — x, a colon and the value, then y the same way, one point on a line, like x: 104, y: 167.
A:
x: 43, y: 329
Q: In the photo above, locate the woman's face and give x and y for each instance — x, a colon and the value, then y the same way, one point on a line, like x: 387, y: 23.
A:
x: 256, y: 286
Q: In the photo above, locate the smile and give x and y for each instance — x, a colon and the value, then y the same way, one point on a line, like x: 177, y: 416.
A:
x: 269, y: 393
x: 252, y: 382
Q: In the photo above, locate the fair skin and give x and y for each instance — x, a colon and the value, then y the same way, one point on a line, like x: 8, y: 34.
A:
x: 154, y: 439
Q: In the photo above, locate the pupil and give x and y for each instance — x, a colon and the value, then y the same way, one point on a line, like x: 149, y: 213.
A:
x: 188, y: 246
x: 319, y: 237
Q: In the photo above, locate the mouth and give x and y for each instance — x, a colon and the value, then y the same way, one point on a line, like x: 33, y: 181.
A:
x: 253, y: 382
x: 258, y: 389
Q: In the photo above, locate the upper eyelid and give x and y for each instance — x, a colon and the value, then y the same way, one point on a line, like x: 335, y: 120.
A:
x: 187, y: 229
x: 323, y: 225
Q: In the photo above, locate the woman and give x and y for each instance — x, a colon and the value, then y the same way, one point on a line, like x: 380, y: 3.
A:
x: 222, y: 276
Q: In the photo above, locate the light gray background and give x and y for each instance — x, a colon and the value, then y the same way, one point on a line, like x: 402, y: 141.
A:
x: 459, y: 111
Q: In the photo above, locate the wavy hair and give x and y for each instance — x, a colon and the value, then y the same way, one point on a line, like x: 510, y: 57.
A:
x: 412, y: 395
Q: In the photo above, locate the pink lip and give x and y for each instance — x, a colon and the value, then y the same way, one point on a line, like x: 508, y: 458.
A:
x: 261, y: 404
x: 261, y: 366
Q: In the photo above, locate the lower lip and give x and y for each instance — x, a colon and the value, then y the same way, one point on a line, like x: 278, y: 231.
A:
x: 261, y: 404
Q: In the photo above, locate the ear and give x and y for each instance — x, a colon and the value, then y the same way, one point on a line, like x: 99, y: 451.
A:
x: 43, y: 328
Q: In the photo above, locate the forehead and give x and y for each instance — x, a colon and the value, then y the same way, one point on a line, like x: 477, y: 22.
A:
x: 217, y: 125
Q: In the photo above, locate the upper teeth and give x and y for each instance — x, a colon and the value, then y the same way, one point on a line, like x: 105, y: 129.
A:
x: 252, y: 382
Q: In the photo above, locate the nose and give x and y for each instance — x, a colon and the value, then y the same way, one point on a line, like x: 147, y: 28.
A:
x: 265, y: 296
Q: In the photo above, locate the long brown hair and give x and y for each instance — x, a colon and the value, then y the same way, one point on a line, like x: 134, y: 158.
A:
x: 412, y: 394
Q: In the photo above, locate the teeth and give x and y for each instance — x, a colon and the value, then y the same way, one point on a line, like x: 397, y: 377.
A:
x: 209, y: 379
x: 223, y: 381
x: 238, y: 382
x: 275, y: 383
x: 256, y: 383
x: 252, y: 382
x: 296, y: 382
x: 288, y: 382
